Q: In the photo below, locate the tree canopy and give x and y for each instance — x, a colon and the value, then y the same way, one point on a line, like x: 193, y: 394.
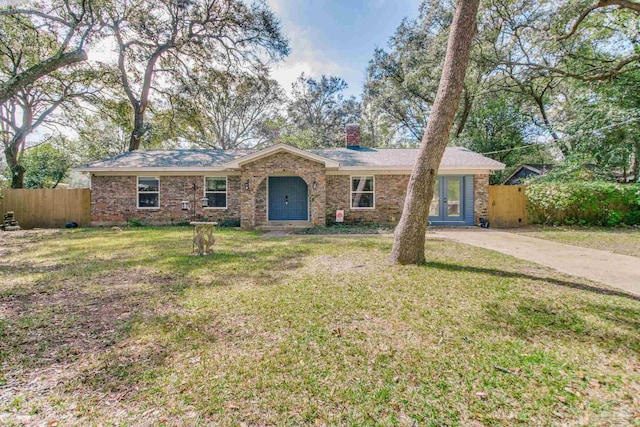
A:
x: 547, y: 81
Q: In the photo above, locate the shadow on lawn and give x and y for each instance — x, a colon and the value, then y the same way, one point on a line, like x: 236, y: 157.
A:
x: 511, y: 274
x: 529, y: 316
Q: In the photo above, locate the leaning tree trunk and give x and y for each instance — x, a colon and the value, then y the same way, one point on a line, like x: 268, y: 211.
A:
x: 409, y: 239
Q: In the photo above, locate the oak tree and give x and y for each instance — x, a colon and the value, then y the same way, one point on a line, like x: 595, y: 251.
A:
x: 40, y: 38
x: 155, y: 39
x: 409, y: 238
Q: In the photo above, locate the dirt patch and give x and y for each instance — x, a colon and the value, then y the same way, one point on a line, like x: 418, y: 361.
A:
x: 12, y: 242
x: 126, y: 277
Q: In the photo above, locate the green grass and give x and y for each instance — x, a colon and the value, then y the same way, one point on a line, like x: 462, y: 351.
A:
x: 625, y: 241
x: 107, y: 328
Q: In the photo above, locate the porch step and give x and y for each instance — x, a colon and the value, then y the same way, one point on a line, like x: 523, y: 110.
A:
x: 285, y: 225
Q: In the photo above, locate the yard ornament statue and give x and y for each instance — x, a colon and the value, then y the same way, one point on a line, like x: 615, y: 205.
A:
x: 203, y: 239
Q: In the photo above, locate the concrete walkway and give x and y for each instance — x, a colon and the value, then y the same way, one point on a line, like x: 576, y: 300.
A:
x: 618, y: 271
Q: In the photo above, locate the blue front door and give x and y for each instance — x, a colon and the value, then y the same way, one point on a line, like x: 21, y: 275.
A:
x: 288, y: 199
x: 450, y: 199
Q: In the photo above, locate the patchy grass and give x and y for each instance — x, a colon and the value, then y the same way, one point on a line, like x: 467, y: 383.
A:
x: 365, y: 228
x: 625, y: 241
x: 98, y: 327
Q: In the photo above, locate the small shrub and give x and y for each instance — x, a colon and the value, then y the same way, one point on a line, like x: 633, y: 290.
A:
x: 229, y: 223
x: 136, y: 223
x: 584, y: 203
x: 342, y: 228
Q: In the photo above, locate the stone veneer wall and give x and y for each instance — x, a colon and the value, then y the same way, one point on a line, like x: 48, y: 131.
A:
x: 390, y: 191
x: 114, y: 200
x: 254, y: 201
x: 481, y: 197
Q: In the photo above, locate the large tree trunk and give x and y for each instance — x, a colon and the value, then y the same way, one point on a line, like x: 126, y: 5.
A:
x: 11, y: 153
x: 138, y: 127
x: 409, y: 239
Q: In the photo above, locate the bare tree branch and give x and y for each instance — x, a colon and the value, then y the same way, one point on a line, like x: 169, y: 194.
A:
x: 12, y: 86
x: 623, y: 4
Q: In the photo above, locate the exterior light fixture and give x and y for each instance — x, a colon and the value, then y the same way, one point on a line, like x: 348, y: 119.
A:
x: 246, y: 185
x: 204, y: 202
x: 185, y: 205
x: 314, y: 185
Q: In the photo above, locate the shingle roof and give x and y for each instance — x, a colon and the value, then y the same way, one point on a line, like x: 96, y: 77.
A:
x: 168, y: 159
x: 401, y: 158
x: 454, y: 157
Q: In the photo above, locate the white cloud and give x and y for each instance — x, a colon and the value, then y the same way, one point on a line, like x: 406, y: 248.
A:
x: 305, y: 55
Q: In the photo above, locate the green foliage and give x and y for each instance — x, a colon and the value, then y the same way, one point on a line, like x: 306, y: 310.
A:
x: 318, y: 112
x: 137, y: 223
x: 45, y: 166
x: 584, y: 203
x: 222, y: 110
x: 229, y: 223
x: 156, y: 37
x: 497, y: 127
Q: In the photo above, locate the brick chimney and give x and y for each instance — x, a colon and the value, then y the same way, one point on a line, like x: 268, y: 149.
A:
x: 352, y: 132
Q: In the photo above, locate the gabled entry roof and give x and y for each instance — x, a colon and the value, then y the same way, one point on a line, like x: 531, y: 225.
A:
x: 360, y: 158
x: 282, y: 148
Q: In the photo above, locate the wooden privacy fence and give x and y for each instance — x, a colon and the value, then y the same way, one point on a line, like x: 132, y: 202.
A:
x: 47, y: 208
x: 508, y: 206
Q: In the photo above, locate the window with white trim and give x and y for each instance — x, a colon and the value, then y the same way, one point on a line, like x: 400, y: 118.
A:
x: 362, y: 192
x: 215, y: 189
x: 148, y: 192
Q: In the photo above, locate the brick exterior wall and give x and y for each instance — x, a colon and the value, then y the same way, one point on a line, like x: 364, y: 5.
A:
x: 481, y: 197
x: 254, y: 201
x: 114, y: 200
x: 390, y: 191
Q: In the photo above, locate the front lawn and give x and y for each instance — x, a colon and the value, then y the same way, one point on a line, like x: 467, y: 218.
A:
x: 625, y: 241
x: 101, y: 327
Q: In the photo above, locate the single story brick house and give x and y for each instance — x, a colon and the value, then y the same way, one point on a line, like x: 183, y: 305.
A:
x: 282, y: 185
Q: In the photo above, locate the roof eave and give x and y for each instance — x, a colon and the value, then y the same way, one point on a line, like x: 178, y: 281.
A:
x: 410, y: 167
x: 149, y: 169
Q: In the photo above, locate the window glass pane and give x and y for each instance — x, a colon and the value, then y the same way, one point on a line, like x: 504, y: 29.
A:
x: 217, y: 184
x: 434, y: 209
x: 453, y: 197
x: 148, y: 184
x: 362, y: 200
x: 217, y: 200
x: 148, y: 200
x: 362, y: 183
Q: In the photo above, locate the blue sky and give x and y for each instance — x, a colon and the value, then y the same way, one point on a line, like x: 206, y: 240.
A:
x: 336, y: 37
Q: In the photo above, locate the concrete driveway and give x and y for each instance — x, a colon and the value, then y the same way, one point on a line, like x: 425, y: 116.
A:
x: 618, y: 271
